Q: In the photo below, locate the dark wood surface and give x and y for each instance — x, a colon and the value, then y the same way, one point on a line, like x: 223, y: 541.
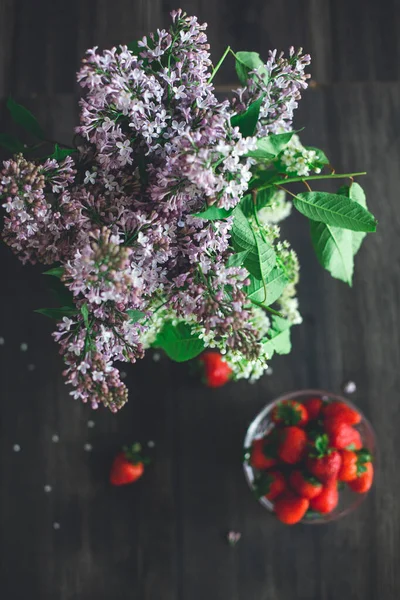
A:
x: 164, y: 538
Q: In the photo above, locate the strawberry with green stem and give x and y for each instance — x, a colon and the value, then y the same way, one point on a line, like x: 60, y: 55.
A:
x: 269, y: 484
x: 324, y: 462
x: 289, y: 412
x: 263, y: 452
x: 216, y: 372
x: 128, y: 466
x: 341, y: 434
x: 305, y: 485
x: 353, y: 464
x: 364, y: 480
x: 327, y: 500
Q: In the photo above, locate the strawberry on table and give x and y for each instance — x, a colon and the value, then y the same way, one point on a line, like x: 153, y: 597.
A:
x: 289, y: 412
x: 290, y: 508
x: 128, y: 466
x: 305, y: 485
x: 340, y: 409
x: 327, y: 500
x: 324, y: 462
x: 363, y: 483
x: 292, y: 444
x: 313, y: 407
x: 263, y: 454
x: 342, y: 435
x: 216, y: 371
x: 270, y: 484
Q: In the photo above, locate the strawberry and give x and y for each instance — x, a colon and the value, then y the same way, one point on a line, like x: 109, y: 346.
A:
x: 362, y: 484
x: 292, y: 444
x: 262, y: 454
x: 342, y: 435
x: 128, y: 466
x: 348, y: 470
x: 340, y: 409
x: 305, y: 485
x: 313, y: 407
x: 290, y: 508
x: 270, y: 485
x: 324, y: 462
x: 216, y: 371
x: 289, y: 412
x: 327, y: 500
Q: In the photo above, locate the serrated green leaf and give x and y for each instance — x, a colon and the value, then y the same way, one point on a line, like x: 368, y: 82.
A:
x: 250, y: 61
x: 11, y: 143
x: 279, y: 337
x: 272, y: 145
x: 57, y: 313
x: 247, y: 120
x: 135, y: 315
x: 263, y: 198
x: 213, y: 213
x: 275, y: 284
x: 61, y: 153
x: 356, y: 193
x: 333, y: 247
x: 22, y: 116
x: 178, y: 342
x: 55, y: 272
x: 85, y: 314
x: 236, y: 260
x: 336, y: 210
x: 261, y: 258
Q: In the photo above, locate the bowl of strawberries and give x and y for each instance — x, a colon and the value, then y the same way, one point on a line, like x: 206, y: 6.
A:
x: 309, y: 457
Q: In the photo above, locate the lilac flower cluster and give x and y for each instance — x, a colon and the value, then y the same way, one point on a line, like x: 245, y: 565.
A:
x: 281, y: 90
x: 155, y: 148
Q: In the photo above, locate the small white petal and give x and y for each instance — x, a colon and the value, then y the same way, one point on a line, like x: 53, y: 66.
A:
x: 91, y: 424
x: 16, y: 447
x: 88, y: 447
x: 2, y: 341
x: 56, y: 525
x: 55, y: 438
x: 47, y: 488
x: 23, y: 347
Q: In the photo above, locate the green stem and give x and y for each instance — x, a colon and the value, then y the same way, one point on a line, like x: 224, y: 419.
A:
x: 268, y: 308
x: 311, y: 178
x: 219, y: 63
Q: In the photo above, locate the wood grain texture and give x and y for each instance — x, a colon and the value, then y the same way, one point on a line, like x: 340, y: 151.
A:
x: 163, y: 539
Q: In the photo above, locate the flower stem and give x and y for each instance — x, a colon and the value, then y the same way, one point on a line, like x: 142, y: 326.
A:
x: 219, y: 63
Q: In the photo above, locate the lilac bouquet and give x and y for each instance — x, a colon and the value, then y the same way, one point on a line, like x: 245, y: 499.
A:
x: 161, y: 222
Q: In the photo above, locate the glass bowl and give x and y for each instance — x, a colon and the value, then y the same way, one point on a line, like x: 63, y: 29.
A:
x: 348, y: 500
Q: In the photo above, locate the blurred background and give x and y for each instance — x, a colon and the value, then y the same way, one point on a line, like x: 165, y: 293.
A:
x: 64, y: 532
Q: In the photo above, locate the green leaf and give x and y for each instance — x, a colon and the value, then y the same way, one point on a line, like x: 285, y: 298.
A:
x: 263, y: 198
x: 55, y: 272
x: 22, y: 116
x: 250, y: 61
x: 336, y: 210
x: 213, y: 213
x: 272, y: 145
x: 264, y: 179
x: 57, y: 313
x: 322, y: 159
x: 279, y: 337
x: 85, y: 314
x: 178, y: 342
x: 333, y: 247
x: 247, y: 120
x: 236, y: 260
x: 356, y: 193
x: 275, y: 284
x: 11, y: 143
x: 261, y: 258
x: 61, y: 153
x: 135, y: 48
x: 135, y: 315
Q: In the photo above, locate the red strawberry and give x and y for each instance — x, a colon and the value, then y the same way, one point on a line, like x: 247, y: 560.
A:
x: 292, y: 444
x: 324, y: 462
x: 342, y: 435
x: 128, y: 466
x: 362, y: 484
x: 289, y: 412
x: 304, y: 485
x: 216, y: 371
x: 313, y: 407
x: 327, y: 500
x: 263, y: 454
x: 353, y: 464
x: 270, y: 485
x: 289, y: 508
x: 342, y: 410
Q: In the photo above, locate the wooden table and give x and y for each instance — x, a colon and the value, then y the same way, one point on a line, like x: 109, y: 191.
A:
x: 164, y: 538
